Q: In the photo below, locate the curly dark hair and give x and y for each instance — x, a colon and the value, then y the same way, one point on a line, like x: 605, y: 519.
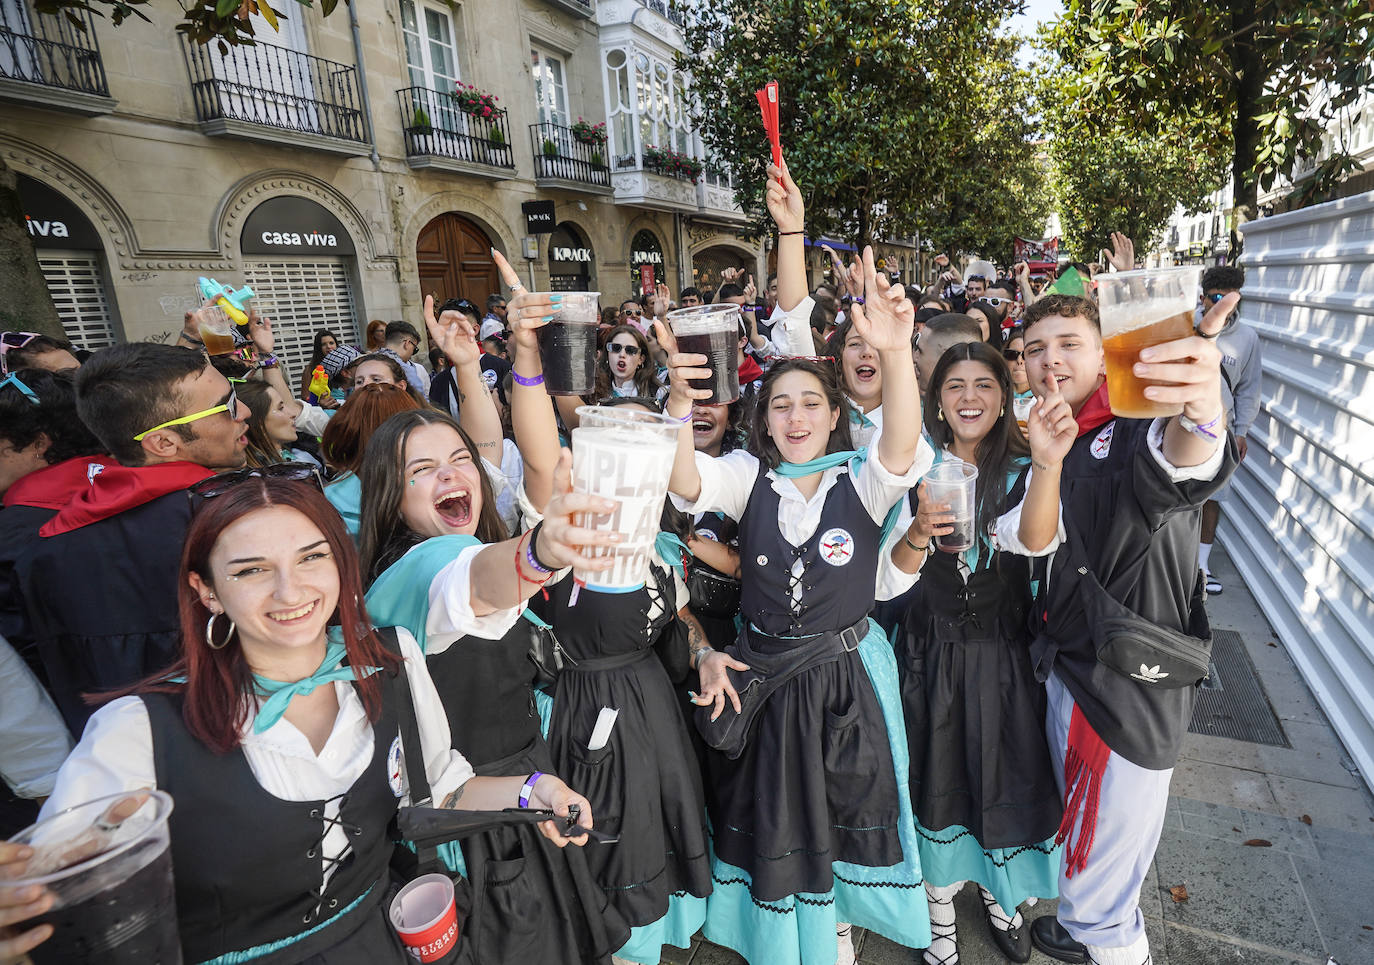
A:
x: 1069, y: 306
x: 54, y: 417
x: 1226, y: 278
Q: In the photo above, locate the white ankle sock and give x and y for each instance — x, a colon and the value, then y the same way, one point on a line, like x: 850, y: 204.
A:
x: 1136, y: 953
x: 1204, y: 556
x: 999, y: 918
x: 844, y: 941
x: 943, y: 949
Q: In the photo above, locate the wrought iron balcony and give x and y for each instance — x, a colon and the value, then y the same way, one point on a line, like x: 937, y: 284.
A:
x: 666, y: 9
x: 438, y: 133
x: 560, y: 156
x: 278, y: 95
x: 48, y: 60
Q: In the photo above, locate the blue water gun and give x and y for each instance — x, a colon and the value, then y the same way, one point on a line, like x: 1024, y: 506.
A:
x: 233, y: 302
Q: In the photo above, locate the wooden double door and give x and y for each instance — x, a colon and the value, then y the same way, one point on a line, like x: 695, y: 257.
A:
x: 454, y: 256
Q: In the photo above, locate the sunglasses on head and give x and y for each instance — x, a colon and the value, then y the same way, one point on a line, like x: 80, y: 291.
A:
x: 13, y: 340
x: 1012, y: 354
x: 230, y: 405
x: 13, y: 380
x: 615, y: 348
x: 222, y: 483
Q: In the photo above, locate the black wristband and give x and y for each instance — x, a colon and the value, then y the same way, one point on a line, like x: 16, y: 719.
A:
x: 784, y: 234
x: 534, y: 546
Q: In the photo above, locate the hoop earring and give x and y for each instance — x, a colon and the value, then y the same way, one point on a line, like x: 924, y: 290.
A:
x: 210, y: 633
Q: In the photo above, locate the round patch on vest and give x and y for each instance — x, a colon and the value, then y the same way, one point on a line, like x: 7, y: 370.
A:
x: 762, y: 560
x: 393, y: 768
x: 1103, y: 443
x: 707, y: 534
x: 837, y: 547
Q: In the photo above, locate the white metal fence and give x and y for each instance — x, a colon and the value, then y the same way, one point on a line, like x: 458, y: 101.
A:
x: 1300, y: 520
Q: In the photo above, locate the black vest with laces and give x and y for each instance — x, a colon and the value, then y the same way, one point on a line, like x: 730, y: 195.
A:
x: 247, y: 864
x: 839, y: 559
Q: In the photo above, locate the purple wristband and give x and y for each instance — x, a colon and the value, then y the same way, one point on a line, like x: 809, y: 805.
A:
x: 528, y: 789
x: 1204, y: 429
x: 533, y: 560
x: 521, y: 380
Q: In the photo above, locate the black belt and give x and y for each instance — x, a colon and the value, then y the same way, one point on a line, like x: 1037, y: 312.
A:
x: 592, y: 664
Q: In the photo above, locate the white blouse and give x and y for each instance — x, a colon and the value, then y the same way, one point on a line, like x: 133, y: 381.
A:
x: 450, y: 615
x: 116, y: 754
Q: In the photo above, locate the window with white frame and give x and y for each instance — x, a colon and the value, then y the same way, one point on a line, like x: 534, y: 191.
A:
x: 550, y: 87
x: 431, y: 48
x: 646, y: 106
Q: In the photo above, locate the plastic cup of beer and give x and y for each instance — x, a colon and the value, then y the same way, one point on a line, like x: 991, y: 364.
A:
x: 567, y: 344
x: 425, y: 916
x: 626, y: 455
x: 108, y: 865
x: 954, y: 482
x: 712, y: 331
x: 1021, y: 406
x: 1140, y: 309
x: 216, y: 330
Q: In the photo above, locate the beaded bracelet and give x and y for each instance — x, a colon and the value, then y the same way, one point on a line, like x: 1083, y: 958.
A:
x: 521, y: 380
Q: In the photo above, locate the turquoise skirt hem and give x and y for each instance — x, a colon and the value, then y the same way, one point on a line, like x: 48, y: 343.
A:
x: 1011, y: 874
x: 684, y: 917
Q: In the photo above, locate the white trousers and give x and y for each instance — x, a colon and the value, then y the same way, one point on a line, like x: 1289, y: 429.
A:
x: 1100, y: 905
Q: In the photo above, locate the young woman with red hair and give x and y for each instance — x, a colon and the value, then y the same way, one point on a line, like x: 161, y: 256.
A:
x: 278, y: 733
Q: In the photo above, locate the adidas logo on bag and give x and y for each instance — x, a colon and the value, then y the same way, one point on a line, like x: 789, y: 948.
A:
x: 1151, y: 675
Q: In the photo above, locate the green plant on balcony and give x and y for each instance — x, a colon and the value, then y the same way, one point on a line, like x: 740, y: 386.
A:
x: 478, y: 103
x: 420, y: 122
x: 597, y: 160
x: 550, y: 147
x: 496, y: 138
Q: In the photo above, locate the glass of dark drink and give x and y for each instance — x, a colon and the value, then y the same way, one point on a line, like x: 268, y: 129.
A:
x: 567, y: 345
x: 108, y: 865
x: 712, y: 331
x: 954, y: 482
x: 1140, y: 309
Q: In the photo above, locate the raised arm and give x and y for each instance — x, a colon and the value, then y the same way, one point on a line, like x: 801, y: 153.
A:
x: 454, y: 335
x: 885, y: 319
x: 685, y: 481
x: 789, y: 214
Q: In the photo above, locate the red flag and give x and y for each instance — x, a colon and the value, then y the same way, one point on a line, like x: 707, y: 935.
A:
x: 768, y: 106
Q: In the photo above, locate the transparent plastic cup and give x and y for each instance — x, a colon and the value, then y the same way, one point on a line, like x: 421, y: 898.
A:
x: 567, y: 344
x: 216, y: 330
x: 712, y: 331
x: 954, y: 482
x: 108, y: 865
x: 1140, y: 309
x: 625, y: 455
x: 1021, y: 406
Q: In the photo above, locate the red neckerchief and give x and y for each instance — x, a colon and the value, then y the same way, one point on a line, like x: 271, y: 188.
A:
x: 1095, y: 411
x: 117, y: 489
x: 52, y: 487
x: 750, y: 371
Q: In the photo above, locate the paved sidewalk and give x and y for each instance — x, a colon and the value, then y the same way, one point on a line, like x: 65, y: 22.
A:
x: 1307, y: 896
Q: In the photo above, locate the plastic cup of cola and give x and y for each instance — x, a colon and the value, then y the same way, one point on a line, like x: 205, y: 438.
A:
x: 108, y: 865
x: 1140, y: 309
x: 567, y: 344
x: 425, y: 916
x: 712, y: 331
x: 626, y: 455
x: 954, y: 482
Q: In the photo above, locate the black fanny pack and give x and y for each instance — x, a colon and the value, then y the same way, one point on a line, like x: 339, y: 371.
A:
x: 713, y: 593
x: 1134, y: 647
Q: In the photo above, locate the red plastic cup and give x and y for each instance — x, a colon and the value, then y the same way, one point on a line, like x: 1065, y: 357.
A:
x: 425, y: 915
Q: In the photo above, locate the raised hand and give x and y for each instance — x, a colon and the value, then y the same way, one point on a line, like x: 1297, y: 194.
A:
x: 784, y: 200
x: 682, y: 368
x: 1051, y: 426
x: 1021, y: 271
x: 662, y: 296
x: 453, y: 334
x: 731, y: 276
x: 884, y: 317
x: 525, y: 311
x: 1121, y: 255
x: 562, y: 543
x: 260, y: 331
x: 751, y: 292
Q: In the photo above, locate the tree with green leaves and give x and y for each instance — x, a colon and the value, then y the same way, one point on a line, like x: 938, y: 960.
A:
x: 224, y: 21
x: 872, y: 107
x: 1260, y: 82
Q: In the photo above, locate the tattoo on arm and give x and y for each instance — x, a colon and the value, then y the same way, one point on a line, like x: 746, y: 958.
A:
x: 451, y: 801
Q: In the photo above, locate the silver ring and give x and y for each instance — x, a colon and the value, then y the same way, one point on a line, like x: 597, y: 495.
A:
x: 516, y: 288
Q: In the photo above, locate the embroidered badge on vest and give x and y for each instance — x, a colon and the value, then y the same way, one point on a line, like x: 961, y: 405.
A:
x: 393, y: 768
x: 1103, y: 443
x: 837, y: 547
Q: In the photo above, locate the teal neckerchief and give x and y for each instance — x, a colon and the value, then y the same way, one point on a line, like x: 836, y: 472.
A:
x: 280, y: 692
x: 795, y: 470
x: 400, y: 596
x: 669, y: 549
x: 858, y: 418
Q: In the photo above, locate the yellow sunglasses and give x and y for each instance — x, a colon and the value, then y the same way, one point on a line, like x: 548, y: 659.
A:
x: 229, y: 405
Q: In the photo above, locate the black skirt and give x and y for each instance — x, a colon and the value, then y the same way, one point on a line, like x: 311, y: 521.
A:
x: 643, y: 785
x: 975, y: 714
x: 814, y: 785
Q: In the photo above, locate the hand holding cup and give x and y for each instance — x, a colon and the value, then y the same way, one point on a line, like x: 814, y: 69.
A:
x: 562, y: 543
x: 682, y: 368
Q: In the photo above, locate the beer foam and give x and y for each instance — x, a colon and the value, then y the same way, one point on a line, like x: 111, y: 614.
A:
x: 705, y: 320
x: 1129, y: 316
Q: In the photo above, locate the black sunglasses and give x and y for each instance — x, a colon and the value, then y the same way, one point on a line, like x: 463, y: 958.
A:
x: 1012, y: 354
x: 1214, y: 297
x: 222, y: 483
x: 616, y: 348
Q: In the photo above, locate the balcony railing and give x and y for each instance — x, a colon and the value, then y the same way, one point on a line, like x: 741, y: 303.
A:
x: 275, y: 87
x: 559, y: 154
x: 654, y: 166
x: 434, y: 125
x: 665, y: 8
x: 51, y: 51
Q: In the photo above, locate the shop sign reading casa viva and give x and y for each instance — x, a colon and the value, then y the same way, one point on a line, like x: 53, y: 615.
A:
x: 294, y: 226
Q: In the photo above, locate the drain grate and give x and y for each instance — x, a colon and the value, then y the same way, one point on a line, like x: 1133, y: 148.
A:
x: 1232, y: 703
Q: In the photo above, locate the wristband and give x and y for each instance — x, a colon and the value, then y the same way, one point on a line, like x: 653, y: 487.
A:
x: 697, y: 654
x: 521, y: 380
x: 192, y: 339
x: 784, y: 234
x: 684, y: 420
x: 267, y: 361
x: 539, y: 582
x: 528, y: 789
x: 531, y: 556
x: 925, y: 548
x: 1203, y: 430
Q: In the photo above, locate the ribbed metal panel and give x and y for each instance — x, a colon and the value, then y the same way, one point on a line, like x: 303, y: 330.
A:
x: 1300, y: 522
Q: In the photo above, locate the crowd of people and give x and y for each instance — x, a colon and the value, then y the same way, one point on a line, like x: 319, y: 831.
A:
x: 297, y: 608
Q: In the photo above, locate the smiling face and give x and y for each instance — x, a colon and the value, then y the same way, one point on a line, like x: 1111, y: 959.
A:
x: 862, y: 377
x: 623, y: 356
x: 799, y: 418
x: 971, y: 401
x: 1071, y: 348
x: 441, y: 485
x: 327, y: 344
x: 709, y: 423
x: 374, y: 371
x: 272, y: 572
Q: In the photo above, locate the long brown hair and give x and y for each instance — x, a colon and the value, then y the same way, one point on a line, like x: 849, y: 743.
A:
x: 346, y: 435
x: 645, y: 384
x: 761, y: 443
x: 383, y: 536
x: 218, y: 681
x: 262, y: 450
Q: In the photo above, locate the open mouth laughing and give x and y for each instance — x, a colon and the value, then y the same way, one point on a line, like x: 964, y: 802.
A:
x: 454, y: 507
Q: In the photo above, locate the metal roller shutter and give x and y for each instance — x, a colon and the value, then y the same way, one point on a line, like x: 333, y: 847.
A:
x: 302, y: 297
x: 77, y: 286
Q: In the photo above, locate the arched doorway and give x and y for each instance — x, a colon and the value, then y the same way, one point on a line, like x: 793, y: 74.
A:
x: 454, y: 256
